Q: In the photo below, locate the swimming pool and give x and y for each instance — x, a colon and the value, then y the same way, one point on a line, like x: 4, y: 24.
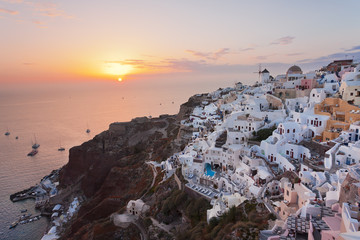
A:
x: 208, y: 170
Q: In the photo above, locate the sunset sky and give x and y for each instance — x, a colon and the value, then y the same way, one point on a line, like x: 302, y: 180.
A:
x: 85, y: 40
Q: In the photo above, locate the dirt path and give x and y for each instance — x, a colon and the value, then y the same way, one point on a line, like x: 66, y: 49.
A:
x: 120, y: 219
x: 154, y: 178
x: 162, y: 226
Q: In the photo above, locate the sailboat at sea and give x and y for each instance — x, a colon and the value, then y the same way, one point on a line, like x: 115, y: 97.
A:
x: 88, y: 129
x: 61, y: 148
x: 35, y: 145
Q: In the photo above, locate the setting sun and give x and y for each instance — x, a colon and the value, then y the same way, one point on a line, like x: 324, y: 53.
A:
x: 119, y: 79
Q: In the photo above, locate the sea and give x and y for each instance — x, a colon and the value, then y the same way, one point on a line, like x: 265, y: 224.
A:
x: 58, y: 114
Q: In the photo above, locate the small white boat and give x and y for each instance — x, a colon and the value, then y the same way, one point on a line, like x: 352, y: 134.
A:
x: 35, y: 145
x: 87, y: 128
x: 61, y: 148
x: 7, y: 133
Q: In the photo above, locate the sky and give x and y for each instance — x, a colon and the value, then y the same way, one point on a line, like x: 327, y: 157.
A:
x: 142, y: 40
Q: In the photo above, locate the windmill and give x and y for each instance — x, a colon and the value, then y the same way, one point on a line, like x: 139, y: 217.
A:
x: 259, y: 72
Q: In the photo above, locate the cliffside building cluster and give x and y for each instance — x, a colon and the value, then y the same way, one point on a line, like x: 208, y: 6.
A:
x: 290, y: 142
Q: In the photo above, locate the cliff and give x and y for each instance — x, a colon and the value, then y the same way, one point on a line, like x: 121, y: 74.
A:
x: 110, y: 169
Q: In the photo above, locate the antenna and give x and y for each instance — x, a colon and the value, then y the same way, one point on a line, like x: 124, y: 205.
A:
x: 259, y: 72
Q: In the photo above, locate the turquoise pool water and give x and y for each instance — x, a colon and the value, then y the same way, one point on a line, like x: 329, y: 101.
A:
x: 208, y: 170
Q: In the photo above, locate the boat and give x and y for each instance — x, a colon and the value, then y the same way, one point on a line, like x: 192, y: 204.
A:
x: 35, y: 145
x: 87, y: 129
x: 32, y: 153
x: 60, y: 147
x: 16, y: 137
x: 13, y: 225
x: 7, y: 133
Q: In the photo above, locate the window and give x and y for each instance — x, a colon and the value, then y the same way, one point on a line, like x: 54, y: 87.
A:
x: 351, y: 94
x: 320, y: 123
x: 287, y: 192
x: 293, y: 130
x: 288, y: 131
x: 287, y: 152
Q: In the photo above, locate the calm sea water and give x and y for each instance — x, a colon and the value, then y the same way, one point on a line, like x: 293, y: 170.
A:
x: 61, y: 113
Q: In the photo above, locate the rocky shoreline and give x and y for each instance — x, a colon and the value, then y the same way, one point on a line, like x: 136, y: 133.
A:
x: 105, y: 173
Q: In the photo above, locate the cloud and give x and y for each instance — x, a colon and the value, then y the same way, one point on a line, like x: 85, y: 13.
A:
x: 210, y: 55
x: 28, y: 63
x: 283, y: 41
x: 293, y: 54
x: 12, y: 12
x: 246, y: 49
x: 49, y: 10
x: 40, y: 24
x: 355, y: 48
x: 184, y: 65
x: 13, y: 1
x: 42, y: 8
x: 329, y: 58
x: 138, y: 63
x: 262, y: 57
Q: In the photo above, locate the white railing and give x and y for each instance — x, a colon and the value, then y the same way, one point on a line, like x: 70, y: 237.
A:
x: 350, y: 224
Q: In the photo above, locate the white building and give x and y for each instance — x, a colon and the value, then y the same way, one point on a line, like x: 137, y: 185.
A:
x: 348, y: 154
x: 331, y: 83
x: 136, y: 207
x: 289, y: 130
x: 350, y: 88
x: 244, y: 123
x: 265, y: 76
x: 317, y: 95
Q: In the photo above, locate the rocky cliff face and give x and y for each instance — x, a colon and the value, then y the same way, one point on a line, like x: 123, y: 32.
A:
x: 110, y: 169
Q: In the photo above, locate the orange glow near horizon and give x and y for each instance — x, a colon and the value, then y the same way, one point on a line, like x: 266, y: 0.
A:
x: 117, y: 69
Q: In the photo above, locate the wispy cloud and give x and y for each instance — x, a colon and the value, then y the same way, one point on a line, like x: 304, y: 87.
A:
x: 12, y: 12
x: 41, y: 8
x: 293, y: 54
x: 13, y: 1
x: 39, y: 24
x: 28, y: 63
x: 138, y: 63
x: 331, y: 57
x: 262, y: 57
x: 355, y: 48
x: 170, y: 64
x: 246, y: 49
x: 210, y: 55
x: 48, y: 9
x: 283, y: 41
